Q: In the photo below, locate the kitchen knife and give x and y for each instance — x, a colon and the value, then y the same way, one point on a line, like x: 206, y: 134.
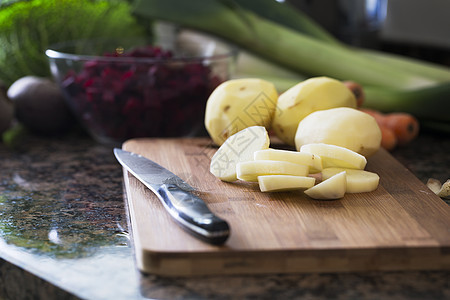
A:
x: 190, y: 211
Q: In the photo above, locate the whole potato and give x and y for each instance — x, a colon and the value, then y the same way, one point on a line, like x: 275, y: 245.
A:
x: 343, y: 126
x: 237, y: 104
x: 313, y: 94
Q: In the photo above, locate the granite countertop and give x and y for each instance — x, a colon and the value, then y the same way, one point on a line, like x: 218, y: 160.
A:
x: 63, y: 234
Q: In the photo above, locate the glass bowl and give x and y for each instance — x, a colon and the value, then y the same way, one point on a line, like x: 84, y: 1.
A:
x: 122, y: 89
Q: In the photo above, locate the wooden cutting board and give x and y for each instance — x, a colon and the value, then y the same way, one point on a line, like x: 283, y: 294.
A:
x: 400, y: 226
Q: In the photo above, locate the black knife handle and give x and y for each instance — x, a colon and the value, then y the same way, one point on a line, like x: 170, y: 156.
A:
x: 192, y: 213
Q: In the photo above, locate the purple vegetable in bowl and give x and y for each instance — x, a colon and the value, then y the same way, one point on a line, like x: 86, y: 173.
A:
x: 117, y: 100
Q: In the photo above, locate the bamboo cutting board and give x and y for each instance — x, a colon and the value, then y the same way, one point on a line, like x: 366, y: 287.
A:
x: 400, y: 226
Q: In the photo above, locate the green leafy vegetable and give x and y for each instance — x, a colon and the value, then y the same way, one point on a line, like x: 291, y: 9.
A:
x: 28, y: 28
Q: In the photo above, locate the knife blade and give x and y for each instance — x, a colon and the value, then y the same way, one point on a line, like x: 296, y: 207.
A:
x: 187, y: 209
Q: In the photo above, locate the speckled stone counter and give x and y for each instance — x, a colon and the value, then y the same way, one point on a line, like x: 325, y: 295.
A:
x: 63, y: 235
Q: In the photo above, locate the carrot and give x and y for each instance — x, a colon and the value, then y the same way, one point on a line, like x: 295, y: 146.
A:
x: 357, y: 90
x: 404, y: 125
x: 388, y: 138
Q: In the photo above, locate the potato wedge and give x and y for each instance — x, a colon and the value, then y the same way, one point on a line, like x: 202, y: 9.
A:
x: 250, y: 170
x: 313, y: 161
x: 279, y: 183
x: 336, y: 156
x: 238, y: 148
x: 358, y: 181
x: 332, y: 188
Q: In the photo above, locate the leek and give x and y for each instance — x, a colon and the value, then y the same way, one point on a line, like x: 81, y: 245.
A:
x: 251, y: 66
x: 430, y: 70
x: 247, y: 64
x: 290, y: 16
x: 432, y: 103
x: 392, y: 83
x: 278, y: 43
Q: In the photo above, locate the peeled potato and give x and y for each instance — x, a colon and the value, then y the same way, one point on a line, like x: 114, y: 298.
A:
x: 336, y: 156
x: 250, y: 170
x: 313, y: 161
x: 238, y: 148
x: 358, y: 181
x: 278, y: 183
x: 342, y: 126
x: 313, y: 94
x: 237, y: 104
x: 332, y: 188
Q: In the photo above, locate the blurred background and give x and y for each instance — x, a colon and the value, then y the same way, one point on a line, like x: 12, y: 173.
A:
x: 415, y: 28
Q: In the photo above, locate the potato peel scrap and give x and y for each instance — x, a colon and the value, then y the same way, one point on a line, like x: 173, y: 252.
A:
x: 442, y: 190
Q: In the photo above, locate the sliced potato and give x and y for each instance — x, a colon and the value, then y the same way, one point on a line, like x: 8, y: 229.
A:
x: 336, y: 156
x: 302, y: 158
x: 238, y: 148
x: 250, y: 170
x: 237, y: 104
x: 358, y: 181
x: 278, y: 183
x: 332, y: 188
